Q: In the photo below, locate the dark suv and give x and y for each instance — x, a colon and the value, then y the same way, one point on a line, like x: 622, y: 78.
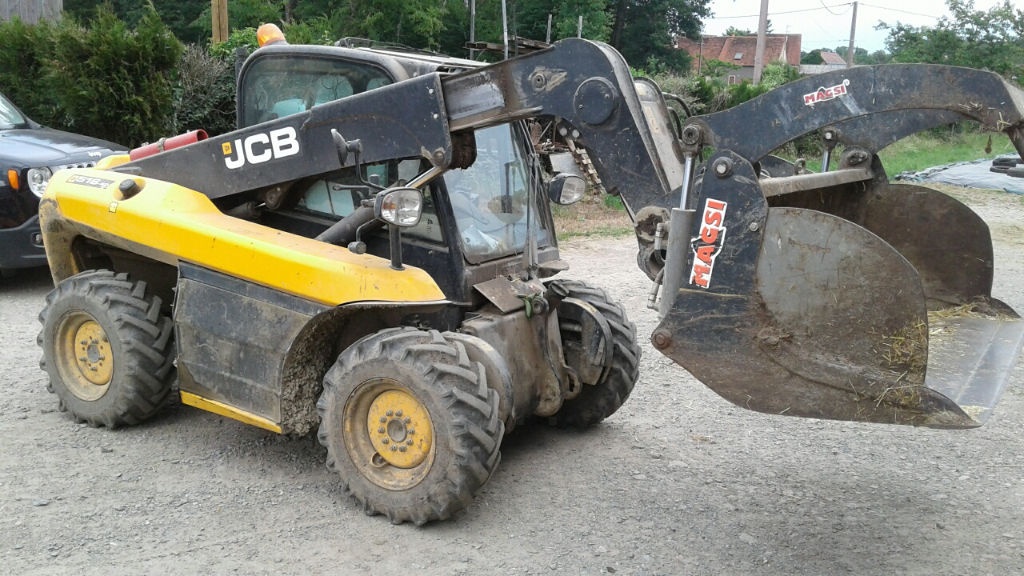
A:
x: 29, y: 155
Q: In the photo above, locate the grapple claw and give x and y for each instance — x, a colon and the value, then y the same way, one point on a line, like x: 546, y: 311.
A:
x: 808, y: 312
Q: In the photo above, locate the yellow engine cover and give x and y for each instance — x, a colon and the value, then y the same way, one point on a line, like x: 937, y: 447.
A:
x: 170, y: 223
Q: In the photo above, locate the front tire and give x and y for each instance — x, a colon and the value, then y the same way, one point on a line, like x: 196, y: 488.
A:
x: 107, y: 349
x: 410, y: 424
x: 602, y: 399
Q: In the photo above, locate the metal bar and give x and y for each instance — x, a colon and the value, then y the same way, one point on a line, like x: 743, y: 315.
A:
x: 789, y: 184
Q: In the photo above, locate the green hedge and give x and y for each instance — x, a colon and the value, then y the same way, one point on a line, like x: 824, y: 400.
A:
x: 100, y: 77
x: 24, y: 53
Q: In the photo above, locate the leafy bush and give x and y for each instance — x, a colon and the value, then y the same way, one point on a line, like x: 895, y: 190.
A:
x: 99, y: 78
x: 239, y: 38
x: 204, y: 96
x: 24, y: 52
x: 112, y: 82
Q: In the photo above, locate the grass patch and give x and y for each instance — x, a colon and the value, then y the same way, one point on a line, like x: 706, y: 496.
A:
x: 926, y: 149
x: 594, y: 216
x: 922, y: 150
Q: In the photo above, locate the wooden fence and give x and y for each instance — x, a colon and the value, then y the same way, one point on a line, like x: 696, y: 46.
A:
x: 31, y: 11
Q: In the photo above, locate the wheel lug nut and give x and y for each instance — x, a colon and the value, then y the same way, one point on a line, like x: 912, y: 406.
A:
x: 401, y: 448
x: 398, y: 414
x: 390, y: 413
x: 383, y: 419
x: 380, y: 430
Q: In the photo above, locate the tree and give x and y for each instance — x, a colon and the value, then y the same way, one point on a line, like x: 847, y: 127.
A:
x: 182, y: 17
x: 813, y: 57
x: 644, y: 31
x: 860, y: 55
x: 531, y: 18
x: 981, y: 39
x: 734, y: 31
x: 113, y: 81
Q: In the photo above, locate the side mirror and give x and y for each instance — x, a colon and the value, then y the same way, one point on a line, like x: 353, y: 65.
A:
x: 566, y: 189
x: 399, y: 206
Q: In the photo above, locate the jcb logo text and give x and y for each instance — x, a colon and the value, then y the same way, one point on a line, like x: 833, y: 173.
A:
x: 260, y: 148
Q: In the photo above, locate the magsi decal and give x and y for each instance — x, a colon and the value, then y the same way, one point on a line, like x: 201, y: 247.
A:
x: 824, y: 94
x: 708, y: 244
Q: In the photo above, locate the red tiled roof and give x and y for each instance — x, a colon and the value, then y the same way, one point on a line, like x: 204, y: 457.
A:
x: 828, y: 57
x: 740, y: 50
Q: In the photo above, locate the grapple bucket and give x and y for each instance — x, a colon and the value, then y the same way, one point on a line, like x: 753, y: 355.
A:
x: 855, y: 300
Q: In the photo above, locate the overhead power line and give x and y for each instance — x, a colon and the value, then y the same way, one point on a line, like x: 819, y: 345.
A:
x: 828, y: 9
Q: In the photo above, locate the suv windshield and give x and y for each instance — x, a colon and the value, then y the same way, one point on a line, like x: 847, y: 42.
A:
x: 9, y: 115
x: 490, y: 197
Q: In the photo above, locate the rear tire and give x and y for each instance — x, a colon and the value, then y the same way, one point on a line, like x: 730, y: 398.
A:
x: 599, y: 401
x: 107, y: 349
x: 409, y: 424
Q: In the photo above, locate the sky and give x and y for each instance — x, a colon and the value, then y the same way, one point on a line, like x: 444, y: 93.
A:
x: 826, y: 23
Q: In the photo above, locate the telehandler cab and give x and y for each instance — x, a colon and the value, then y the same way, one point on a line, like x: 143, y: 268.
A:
x: 372, y: 255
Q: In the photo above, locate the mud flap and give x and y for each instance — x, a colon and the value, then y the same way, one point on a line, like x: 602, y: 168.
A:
x: 799, y: 312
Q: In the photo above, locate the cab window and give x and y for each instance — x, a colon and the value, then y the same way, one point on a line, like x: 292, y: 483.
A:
x: 274, y: 87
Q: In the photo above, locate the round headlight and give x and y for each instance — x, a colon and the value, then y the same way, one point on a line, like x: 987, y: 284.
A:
x: 38, y: 178
x: 566, y: 189
x: 399, y: 206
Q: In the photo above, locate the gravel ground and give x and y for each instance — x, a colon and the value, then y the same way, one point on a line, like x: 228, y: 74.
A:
x: 677, y: 482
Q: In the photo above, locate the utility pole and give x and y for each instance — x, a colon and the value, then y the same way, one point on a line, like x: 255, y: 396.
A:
x: 219, y: 10
x: 853, y: 30
x: 762, y: 40
x: 504, y: 26
x: 472, y: 28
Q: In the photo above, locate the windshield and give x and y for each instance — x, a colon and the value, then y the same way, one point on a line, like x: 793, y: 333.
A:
x: 9, y: 115
x: 490, y: 197
x: 275, y: 87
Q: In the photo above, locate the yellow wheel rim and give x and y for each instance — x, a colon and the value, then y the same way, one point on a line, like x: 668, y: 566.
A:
x: 389, y: 434
x: 400, y: 429
x: 84, y: 357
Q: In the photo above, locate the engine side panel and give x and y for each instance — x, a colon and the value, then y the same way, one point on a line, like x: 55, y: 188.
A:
x: 233, y: 338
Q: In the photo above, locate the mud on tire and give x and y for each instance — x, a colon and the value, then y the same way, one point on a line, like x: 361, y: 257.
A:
x: 107, y: 349
x: 410, y: 424
x: 599, y: 401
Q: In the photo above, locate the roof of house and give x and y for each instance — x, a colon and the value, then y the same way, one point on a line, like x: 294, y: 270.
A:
x: 832, y: 58
x: 740, y: 50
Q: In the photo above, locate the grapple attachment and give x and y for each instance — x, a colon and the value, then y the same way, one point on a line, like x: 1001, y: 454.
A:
x: 793, y: 310
x: 838, y: 294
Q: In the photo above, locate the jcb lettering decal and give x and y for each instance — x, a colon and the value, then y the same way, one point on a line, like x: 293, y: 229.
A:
x: 708, y: 244
x: 824, y: 94
x: 260, y: 148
